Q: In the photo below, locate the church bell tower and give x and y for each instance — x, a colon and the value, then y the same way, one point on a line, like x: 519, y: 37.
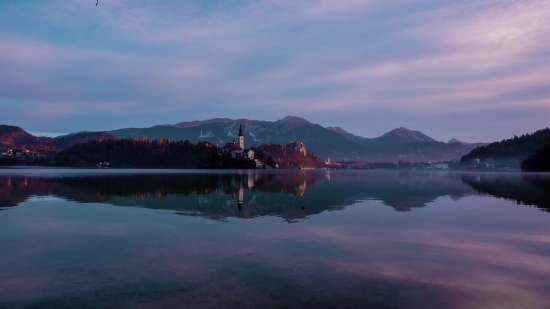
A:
x: 241, y: 137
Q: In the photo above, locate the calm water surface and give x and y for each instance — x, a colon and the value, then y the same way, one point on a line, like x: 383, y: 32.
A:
x: 347, y: 239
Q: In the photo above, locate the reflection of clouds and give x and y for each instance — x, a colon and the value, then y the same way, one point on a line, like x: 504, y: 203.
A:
x: 479, y: 265
x: 14, y: 286
x: 544, y: 238
x: 61, y: 225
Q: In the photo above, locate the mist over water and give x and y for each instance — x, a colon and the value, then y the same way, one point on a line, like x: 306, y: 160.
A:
x: 284, y: 239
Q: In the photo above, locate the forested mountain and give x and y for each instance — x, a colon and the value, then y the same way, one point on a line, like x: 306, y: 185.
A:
x: 513, y: 148
x: 540, y: 161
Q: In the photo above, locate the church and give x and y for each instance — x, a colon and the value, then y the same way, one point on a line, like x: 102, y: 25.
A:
x: 237, y: 150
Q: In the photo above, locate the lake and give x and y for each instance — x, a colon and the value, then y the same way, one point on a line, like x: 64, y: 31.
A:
x: 281, y: 239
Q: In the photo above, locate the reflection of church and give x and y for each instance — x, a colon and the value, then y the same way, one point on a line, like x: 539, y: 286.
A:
x: 300, y: 190
x: 237, y: 149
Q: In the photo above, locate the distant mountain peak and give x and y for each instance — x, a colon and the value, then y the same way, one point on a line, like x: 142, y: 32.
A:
x: 454, y: 140
x: 401, y: 131
x: 409, y: 134
x: 294, y: 120
x: 196, y: 123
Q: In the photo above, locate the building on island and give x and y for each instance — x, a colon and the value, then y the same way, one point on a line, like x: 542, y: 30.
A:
x: 237, y: 149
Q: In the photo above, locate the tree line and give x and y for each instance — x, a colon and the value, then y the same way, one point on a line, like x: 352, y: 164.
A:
x: 539, y: 161
x: 140, y: 153
x: 521, y: 146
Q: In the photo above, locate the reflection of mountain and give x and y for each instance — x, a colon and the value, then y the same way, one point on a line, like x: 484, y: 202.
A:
x: 400, y: 190
x: 526, y: 189
x: 290, y: 195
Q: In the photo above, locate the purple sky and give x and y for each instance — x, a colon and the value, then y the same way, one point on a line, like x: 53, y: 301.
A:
x: 474, y: 70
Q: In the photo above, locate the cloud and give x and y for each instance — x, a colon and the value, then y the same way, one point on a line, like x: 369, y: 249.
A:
x: 248, y: 59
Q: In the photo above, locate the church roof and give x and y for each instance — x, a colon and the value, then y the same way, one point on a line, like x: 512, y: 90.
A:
x: 232, y: 146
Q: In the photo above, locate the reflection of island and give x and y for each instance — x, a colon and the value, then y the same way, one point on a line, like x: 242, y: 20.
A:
x: 216, y: 196
x: 290, y: 195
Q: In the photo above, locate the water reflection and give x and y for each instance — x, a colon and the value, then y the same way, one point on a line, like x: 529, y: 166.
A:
x: 525, y: 189
x: 292, y: 196
x: 405, y: 240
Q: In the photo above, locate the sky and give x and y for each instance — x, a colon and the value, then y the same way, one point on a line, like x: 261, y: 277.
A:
x: 474, y: 70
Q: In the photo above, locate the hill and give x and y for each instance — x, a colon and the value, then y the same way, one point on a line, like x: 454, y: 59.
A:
x: 513, y: 149
x: 12, y: 136
x: 64, y: 142
x: 287, y: 156
x: 15, y: 137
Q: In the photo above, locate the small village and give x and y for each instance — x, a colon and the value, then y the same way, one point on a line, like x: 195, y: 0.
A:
x: 11, y: 153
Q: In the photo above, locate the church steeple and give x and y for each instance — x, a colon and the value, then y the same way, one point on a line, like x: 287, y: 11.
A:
x: 241, y: 137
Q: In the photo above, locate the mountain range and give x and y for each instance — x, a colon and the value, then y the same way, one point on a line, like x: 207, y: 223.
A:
x: 333, y: 142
